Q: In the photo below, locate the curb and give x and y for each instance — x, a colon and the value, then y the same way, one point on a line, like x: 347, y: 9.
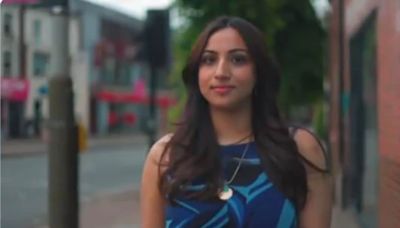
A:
x: 12, y: 149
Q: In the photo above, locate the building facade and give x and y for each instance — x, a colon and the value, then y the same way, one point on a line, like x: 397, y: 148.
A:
x: 30, y: 55
x: 42, y: 55
x: 110, y: 40
x: 14, y: 86
x: 365, y: 109
x: 103, y: 47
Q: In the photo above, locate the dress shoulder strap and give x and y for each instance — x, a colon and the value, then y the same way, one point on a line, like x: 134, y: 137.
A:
x: 292, y: 132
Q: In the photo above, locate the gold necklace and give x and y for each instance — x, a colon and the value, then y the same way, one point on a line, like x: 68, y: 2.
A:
x: 227, y: 192
x: 239, y: 141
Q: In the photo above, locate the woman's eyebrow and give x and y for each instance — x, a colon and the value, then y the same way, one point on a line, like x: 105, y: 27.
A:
x: 230, y: 51
x: 209, y: 51
x: 238, y: 50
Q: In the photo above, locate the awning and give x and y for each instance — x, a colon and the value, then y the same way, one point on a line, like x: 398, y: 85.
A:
x: 14, y: 89
x: 162, y: 101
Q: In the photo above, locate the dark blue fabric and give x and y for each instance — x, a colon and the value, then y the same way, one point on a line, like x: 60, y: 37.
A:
x: 255, y: 202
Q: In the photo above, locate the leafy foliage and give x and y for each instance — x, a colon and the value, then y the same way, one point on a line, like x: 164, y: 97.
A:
x: 292, y: 31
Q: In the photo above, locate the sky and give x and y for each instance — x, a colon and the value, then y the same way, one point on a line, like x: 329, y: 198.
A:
x: 136, y: 8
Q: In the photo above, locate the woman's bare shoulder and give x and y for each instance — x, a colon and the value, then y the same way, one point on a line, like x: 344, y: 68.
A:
x: 311, y: 148
x: 157, y: 150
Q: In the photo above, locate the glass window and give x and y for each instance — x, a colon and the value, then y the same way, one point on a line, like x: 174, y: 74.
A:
x: 7, y: 24
x: 6, y: 64
x: 40, y: 64
x: 123, y: 74
x: 108, y: 71
x: 37, y: 27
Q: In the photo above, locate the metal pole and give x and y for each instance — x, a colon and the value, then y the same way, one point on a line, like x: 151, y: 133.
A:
x: 22, y: 47
x: 152, y: 124
x: 341, y: 80
x: 157, y: 37
x: 345, y: 177
x: 63, y: 146
x: 22, y: 66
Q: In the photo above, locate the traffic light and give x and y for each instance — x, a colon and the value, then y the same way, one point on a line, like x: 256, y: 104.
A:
x: 157, y: 37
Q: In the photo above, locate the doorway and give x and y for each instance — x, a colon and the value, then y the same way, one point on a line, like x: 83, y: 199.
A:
x: 363, y: 123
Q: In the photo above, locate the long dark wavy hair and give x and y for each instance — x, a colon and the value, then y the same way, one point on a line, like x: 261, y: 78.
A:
x: 193, y: 148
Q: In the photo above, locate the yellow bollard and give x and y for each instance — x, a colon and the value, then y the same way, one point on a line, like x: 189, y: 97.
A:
x: 82, y: 138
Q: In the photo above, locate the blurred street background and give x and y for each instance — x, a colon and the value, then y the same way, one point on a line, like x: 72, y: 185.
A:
x: 88, y: 85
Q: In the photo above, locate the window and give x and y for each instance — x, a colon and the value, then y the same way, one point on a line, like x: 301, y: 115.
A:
x: 7, y: 25
x: 37, y: 31
x: 40, y: 64
x: 6, y: 64
x: 122, y: 76
x: 108, y: 70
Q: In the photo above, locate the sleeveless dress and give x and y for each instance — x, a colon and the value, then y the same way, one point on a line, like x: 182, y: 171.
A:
x: 256, y: 202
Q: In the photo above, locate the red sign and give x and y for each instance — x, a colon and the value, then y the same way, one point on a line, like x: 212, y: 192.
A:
x: 120, y: 97
x: 127, y: 118
x: 139, y: 88
x: 14, y: 89
x: 139, y: 95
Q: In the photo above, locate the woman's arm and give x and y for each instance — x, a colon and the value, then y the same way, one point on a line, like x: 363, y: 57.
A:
x: 318, y: 207
x: 151, y: 200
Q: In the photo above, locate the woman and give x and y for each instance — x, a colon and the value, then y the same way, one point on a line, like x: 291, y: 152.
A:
x: 231, y: 161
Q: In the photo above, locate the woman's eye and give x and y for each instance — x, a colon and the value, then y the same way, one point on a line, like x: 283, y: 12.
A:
x: 238, y: 59
x: 207, y: 60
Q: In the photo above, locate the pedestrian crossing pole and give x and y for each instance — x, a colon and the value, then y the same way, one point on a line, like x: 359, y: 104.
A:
x: 63, y: 140
x: 157, y: 51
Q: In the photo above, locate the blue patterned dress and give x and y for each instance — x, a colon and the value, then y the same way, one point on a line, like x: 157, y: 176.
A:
x: 256, y: 202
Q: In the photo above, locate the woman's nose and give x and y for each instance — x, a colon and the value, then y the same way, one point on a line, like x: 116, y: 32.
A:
x: 222, y: 70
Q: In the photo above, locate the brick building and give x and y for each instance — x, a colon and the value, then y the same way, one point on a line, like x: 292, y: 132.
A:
x: 364, y: 79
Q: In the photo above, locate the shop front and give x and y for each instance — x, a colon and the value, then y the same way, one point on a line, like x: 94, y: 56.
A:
x: 14, y: 93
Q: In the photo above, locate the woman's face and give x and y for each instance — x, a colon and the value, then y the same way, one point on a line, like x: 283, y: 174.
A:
x: 226, y: 72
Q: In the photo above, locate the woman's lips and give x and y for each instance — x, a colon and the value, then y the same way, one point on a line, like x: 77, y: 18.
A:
x: 222, y: 89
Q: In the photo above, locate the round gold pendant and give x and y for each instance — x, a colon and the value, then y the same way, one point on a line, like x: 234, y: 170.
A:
x: 226, y: 194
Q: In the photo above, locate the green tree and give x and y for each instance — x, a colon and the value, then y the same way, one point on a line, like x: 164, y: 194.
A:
x: 292, y: 31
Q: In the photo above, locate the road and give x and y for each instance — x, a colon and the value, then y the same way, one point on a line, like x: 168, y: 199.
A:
x: 24, y: 184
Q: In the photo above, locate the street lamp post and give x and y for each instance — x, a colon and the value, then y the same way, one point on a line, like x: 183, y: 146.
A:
x: 63, y: 146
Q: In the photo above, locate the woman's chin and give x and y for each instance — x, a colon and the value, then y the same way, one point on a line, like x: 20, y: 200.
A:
x: 225, y: 106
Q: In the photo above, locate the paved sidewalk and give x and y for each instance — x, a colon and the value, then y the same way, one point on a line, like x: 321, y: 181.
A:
x: 113, y: 211
x: 122, y: 211
x: 343, y: 219
x: 118, y: 210
x: 22, y: 147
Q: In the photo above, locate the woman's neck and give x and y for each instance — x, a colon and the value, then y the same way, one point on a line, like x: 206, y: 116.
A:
x: 231, y: 126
